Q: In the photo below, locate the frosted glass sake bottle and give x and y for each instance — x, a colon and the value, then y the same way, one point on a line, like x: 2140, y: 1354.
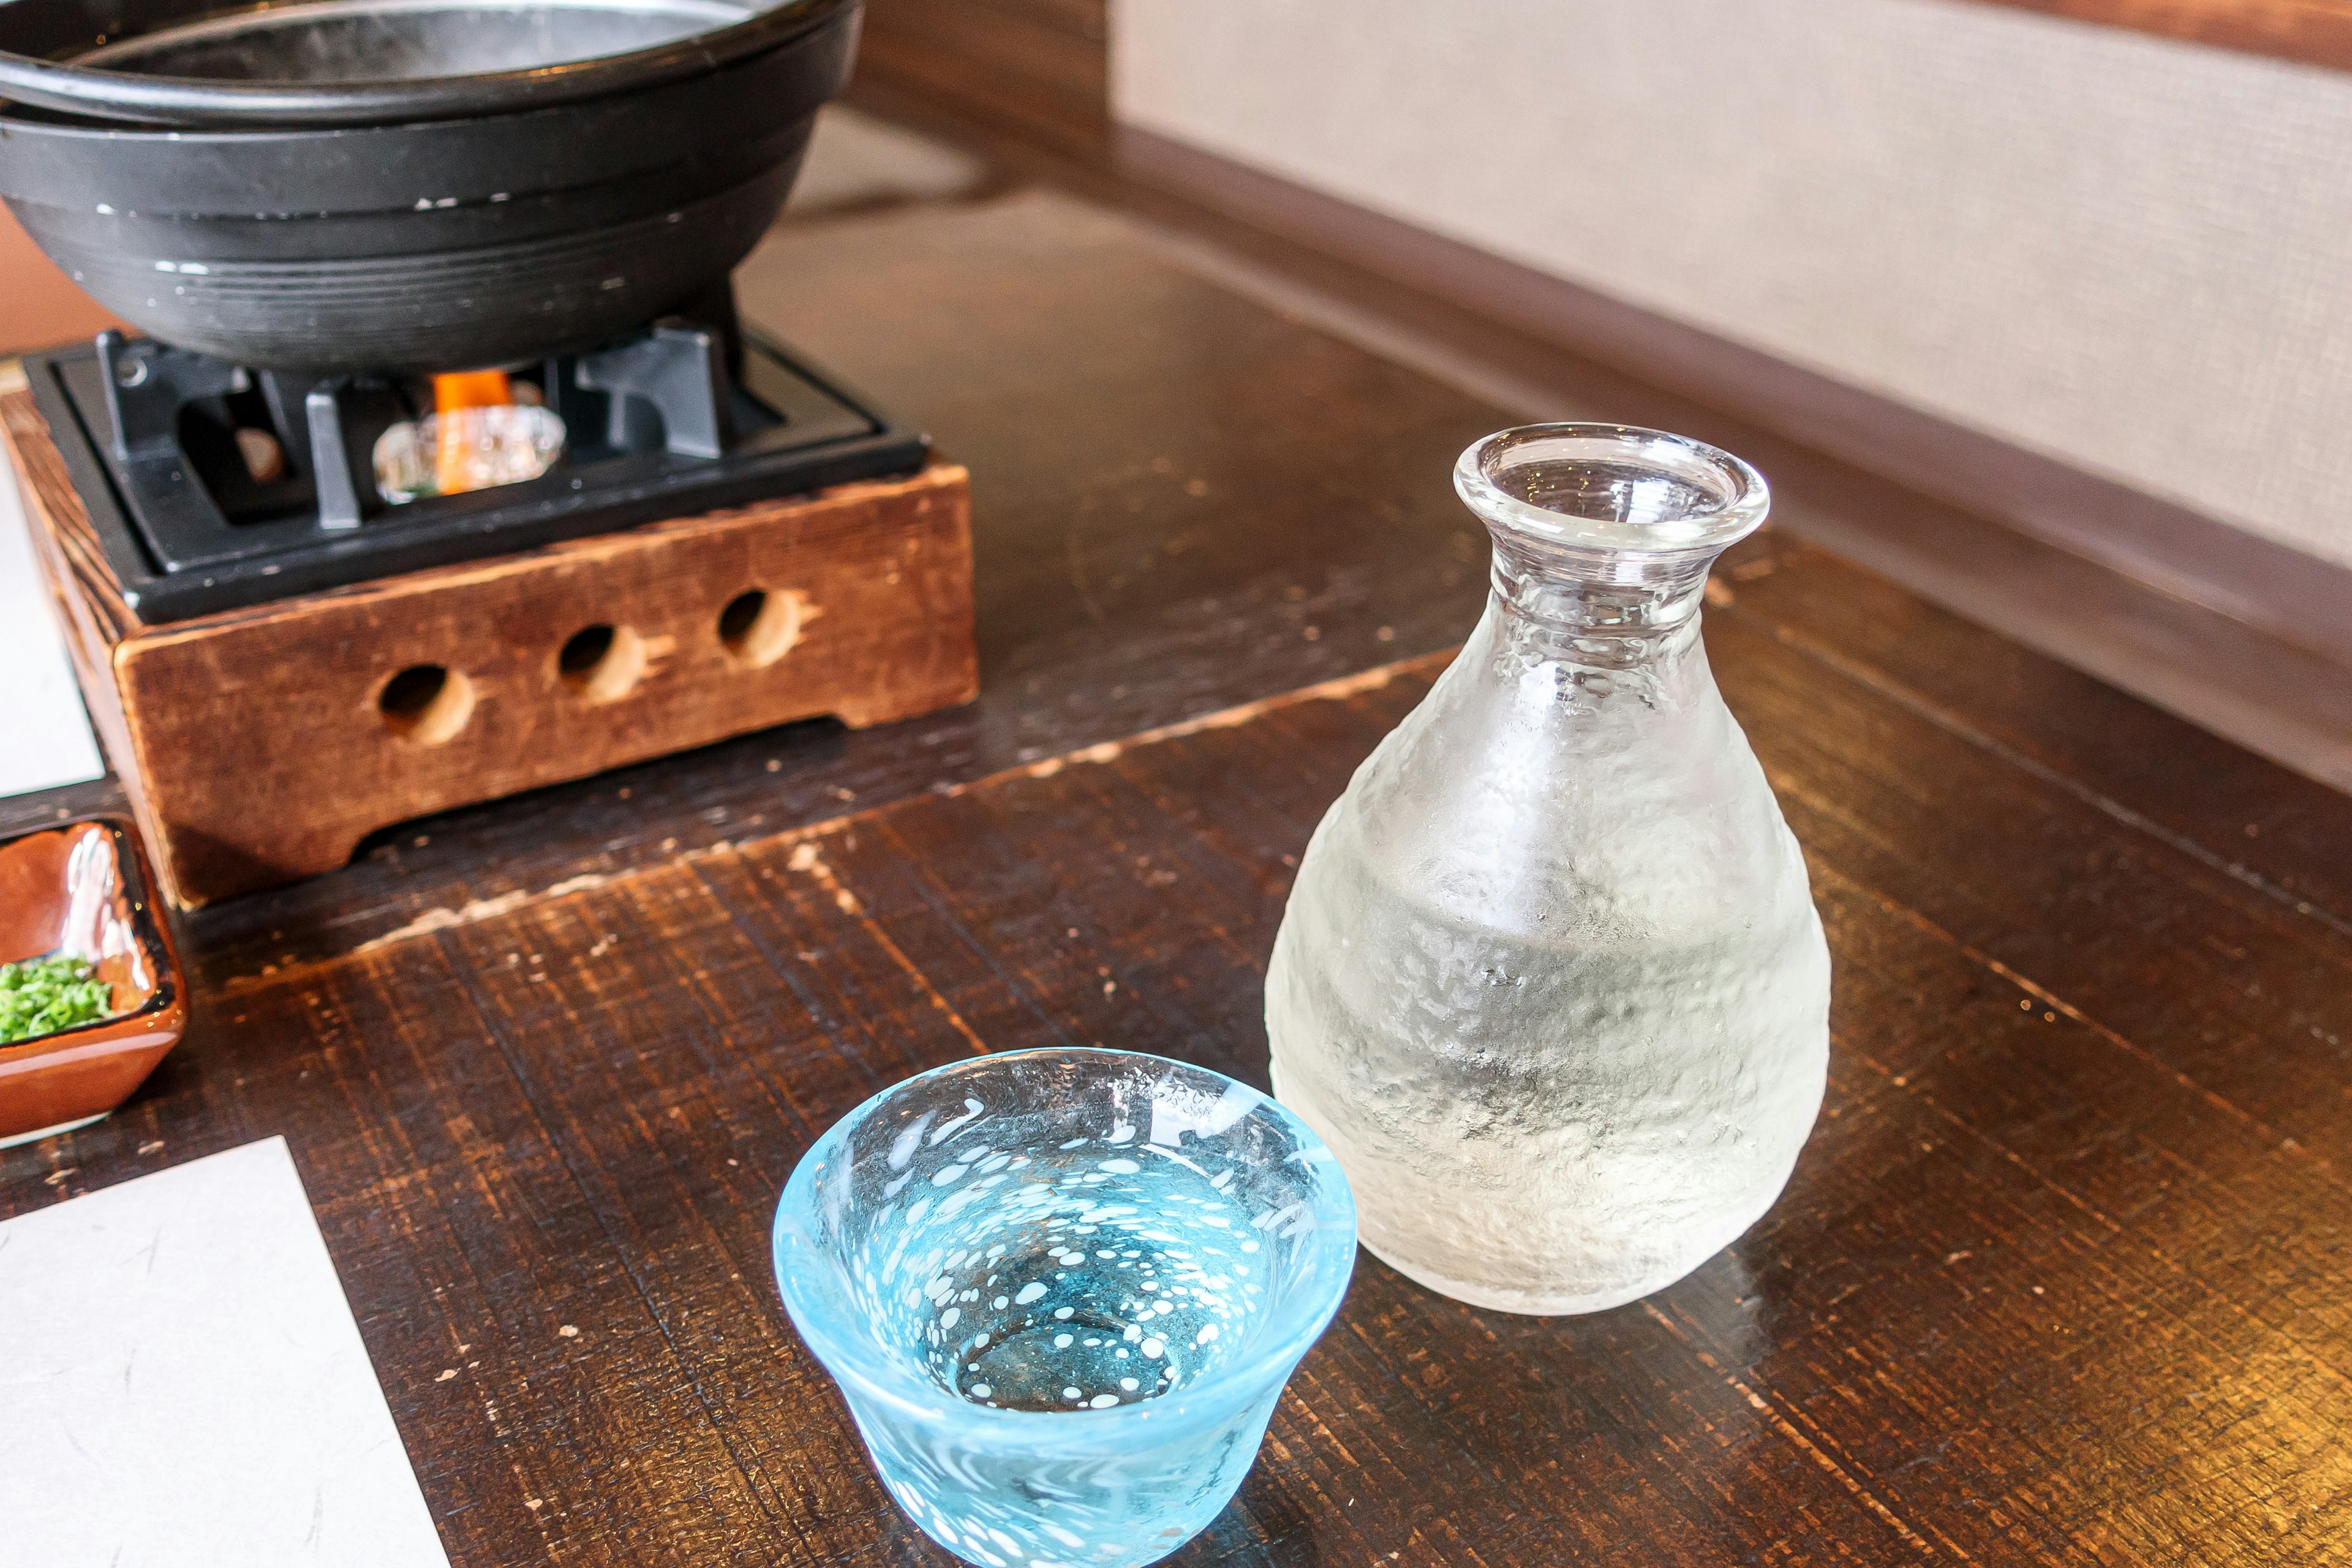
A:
x: 1550, y: 982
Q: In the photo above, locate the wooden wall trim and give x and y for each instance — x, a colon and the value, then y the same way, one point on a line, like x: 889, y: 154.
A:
x: 2295, y: 597
x: 1039, y: 65
x: 2309, y: 32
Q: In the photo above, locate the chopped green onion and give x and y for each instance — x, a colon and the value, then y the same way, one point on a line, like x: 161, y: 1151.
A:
x: 42, y: 995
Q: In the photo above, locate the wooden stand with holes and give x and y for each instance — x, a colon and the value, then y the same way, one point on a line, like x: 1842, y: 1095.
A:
x: 261, y: 745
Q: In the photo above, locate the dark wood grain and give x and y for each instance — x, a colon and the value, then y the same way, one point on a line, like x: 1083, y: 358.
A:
x: 2061, y: 1277
x: 2036, y: 1294
x: 2252, y: 822
x: 20, y: 812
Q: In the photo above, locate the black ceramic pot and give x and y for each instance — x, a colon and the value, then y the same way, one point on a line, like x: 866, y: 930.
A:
x: 433, y: 244
x: 193, y: 63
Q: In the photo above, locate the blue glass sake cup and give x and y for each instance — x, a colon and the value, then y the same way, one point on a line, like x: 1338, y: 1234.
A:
x: 1060, y: 1291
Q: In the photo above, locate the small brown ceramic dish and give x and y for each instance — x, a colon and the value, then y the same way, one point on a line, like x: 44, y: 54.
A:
x: 85, y: 889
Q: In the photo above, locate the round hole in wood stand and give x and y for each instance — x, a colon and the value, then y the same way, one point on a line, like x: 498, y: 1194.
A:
x: 426, y: 704
x: 602, y: 663
x: 758, y: 627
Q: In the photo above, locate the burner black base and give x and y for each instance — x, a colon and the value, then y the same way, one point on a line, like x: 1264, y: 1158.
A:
x: 659, y: 429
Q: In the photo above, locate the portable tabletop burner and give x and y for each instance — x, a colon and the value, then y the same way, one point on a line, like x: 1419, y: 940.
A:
x: 679, y: 418
x: 281, y: 666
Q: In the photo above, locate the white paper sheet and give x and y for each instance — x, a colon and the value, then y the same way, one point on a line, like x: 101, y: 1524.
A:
x: 181, y: 1384
x: 44, y: 739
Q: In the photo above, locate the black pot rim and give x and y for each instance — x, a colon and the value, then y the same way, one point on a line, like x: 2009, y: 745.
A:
x: 92, y: 93
x: 290, y: 173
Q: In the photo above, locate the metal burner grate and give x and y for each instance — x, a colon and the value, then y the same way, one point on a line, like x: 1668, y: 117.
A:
x: 678, y: 420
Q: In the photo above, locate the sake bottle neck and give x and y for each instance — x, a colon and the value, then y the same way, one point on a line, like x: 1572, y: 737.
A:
x: 1594, y: 610
x: 1603, y: 535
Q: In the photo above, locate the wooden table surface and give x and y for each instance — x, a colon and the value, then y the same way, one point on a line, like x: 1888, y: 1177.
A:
x: 2061, y: 1277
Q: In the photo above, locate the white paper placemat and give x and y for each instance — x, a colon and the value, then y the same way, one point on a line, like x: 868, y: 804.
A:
x: 182, y: 1385
x: 44, y: 739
